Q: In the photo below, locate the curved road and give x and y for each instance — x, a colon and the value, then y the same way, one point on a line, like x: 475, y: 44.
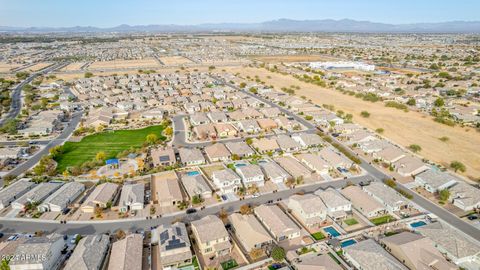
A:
x: 16, y: 104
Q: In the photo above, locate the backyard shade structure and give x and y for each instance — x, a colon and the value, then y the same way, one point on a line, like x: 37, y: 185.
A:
x: 112, y: 161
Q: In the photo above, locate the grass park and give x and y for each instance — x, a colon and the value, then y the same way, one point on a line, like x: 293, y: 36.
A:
x: 110, y: 142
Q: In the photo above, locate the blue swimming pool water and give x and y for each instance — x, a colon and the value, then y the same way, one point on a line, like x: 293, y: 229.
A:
x: 240, y: 165
x: 348, y: 243
x: 193, y: 173
x: 332, y: 231
x: 418, y: 224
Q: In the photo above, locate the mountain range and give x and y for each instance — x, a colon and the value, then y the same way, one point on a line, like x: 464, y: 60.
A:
x: 281, y: 25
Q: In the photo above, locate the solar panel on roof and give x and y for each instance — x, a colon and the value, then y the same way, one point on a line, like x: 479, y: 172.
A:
x: 164, y: 237
x: 179, y: 231
x: 175, y: 243
x: 164, y: 158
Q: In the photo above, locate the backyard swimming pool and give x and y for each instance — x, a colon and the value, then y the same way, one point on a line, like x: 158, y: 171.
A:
x: 331, y: 231
x: 348, y: 243
x: 193, y: 173
x: 238, y: 165
x: 417, y: 224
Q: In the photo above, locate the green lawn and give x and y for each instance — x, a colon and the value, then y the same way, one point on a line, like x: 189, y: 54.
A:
x: 382, y: 220
x: 111, y: 142
x: 318, y: 236
x: 229, y: 264
x: 351, y: 221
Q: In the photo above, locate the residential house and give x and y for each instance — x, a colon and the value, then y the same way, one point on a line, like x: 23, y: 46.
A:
x: 14, y: 191
x: 309, y: 209
x: 196, y: 185
x: 165, y: 189
x: 390, y: 154
x: 409, y: 166
x: 90, y: 253
x: 173, y: 244
x: 314, y: 163
x: 267, y: 124
x: 317, y: 262
x: 308, y: 140
x: 465, y: 196
x: 387, y: 196
x: 126, y: 252
x: 42, y: 252
x: 293, y: 167
x: 211, y: 236
x: 334, y: 158
x: 217, y: 152
x: 101, y: 196
x: 199, y: 119
x: 251, y: 234
x: 368, y: 255
x: 62, y: 198
x: 163, y: 157
x: 251, y: 175
x: 274, y: 172
x: 191, y: 156
x: 337, y: 206
x: 225, y: 130
x: 458, y: 247
x: 249, y: 126
x: 132, y: 197
x: 265, y: 145
x: 240, y: 149
x: 287, y: 144
x: 277, y: 222
x: 435, y: 181
x: 364, y: 203
x: 227, y: 181
x: 36, y: 195
x: 416, y: 252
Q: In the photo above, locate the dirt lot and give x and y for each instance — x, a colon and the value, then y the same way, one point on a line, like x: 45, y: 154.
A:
x: 37, y: 67
x: 401, y: 127
x: 174, y: 60
x: 293, y: 58
x: 142, y: 63
x: 73, y: 66
x: 4, y: 67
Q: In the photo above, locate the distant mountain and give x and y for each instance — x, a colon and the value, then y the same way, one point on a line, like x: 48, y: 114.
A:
x: 281, y: 25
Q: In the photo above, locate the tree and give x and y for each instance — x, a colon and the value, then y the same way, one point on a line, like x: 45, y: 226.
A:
x: 120, y: 234
x: 10, y: 127
x: 223, y: 215
x: 278, y: 253
x: 411, y: 102
x: 56, y: 151
x: 390, y: 183
x: 101, y: 156
x: 256, y: 253
x: 458, y: 166
x: 415, y: 148
x: 444, y: 194
x: 245, y: 209
x: 379, y: 130
x: 249, y: 141
x: 197, y: 199
x: 152, y: 139
x: 444, y: 139
x: 365, y: 114
x: 439, y: 102
x: 242, y: 85
x: 168, y: 131
x: 88, y: 75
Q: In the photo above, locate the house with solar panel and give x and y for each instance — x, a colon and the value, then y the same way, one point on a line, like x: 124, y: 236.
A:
x: 173, y: 244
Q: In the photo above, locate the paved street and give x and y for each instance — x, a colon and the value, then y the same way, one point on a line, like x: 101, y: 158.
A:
x: 93, y: 227
x: 16, y: 104
x: 72, y: 125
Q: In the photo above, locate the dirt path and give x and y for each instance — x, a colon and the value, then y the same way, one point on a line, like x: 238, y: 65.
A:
x: 401, y: 127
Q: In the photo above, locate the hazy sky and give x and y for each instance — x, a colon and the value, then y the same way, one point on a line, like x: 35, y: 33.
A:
x: 107, y: 13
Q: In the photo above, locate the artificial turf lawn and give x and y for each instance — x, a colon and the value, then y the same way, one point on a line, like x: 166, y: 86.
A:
x: 111, y: 142
x: 382, y: 220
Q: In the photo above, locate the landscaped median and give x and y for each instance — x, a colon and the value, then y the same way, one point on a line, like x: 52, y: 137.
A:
x: 112, y: 143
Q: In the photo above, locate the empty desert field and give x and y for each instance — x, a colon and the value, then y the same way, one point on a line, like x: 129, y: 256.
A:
x: 37, y: 67
x: 293, y: 58
x: 5, y: 68
x: 174, y: 60
x: 404, y: 128
x: 73, y: 66
x: 141, y: 63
